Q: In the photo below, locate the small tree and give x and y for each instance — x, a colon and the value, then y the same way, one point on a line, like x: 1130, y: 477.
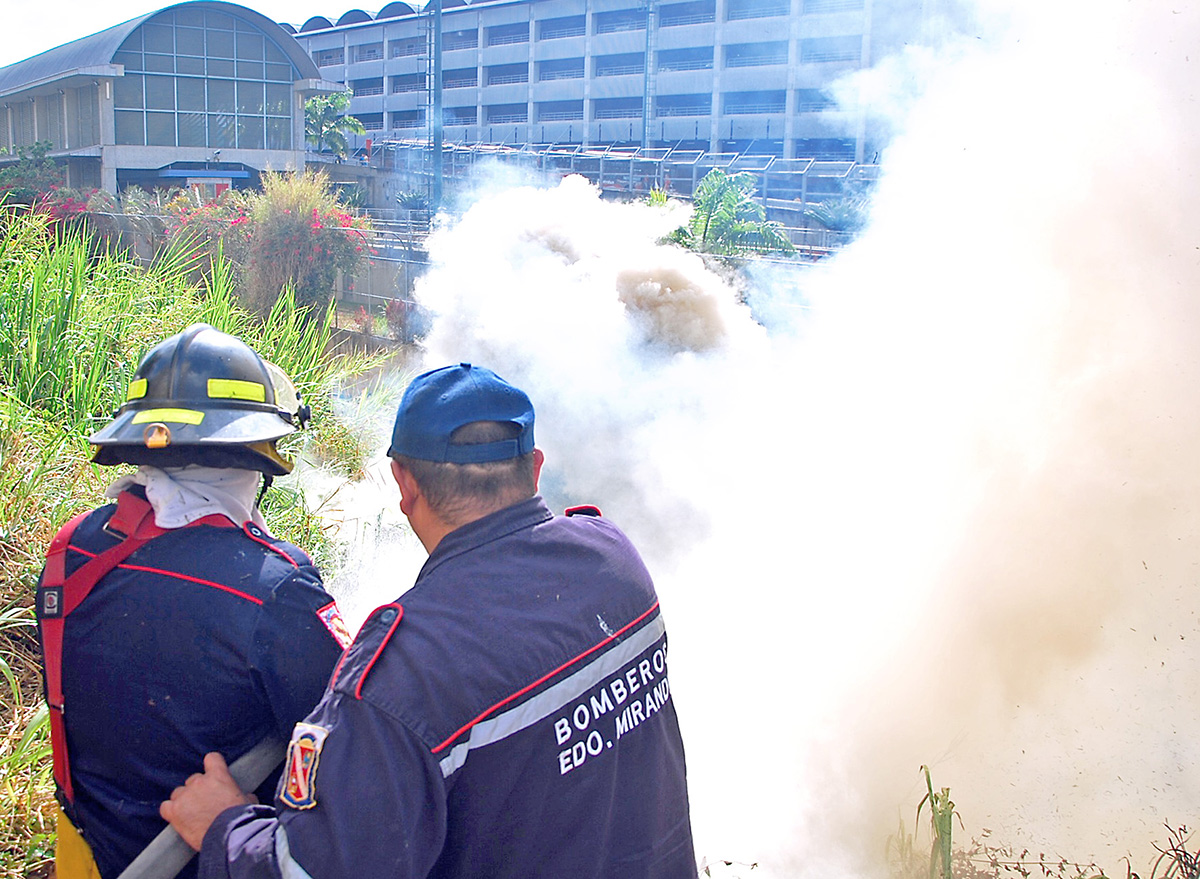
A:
x: 32, y: 175
x: 726, y: 219
x: 326, y: 122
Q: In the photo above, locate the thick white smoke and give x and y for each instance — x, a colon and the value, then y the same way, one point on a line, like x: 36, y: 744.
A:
x: 947, y: 516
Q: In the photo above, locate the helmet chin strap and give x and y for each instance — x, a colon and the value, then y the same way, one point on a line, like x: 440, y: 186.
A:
x: 268, y: 481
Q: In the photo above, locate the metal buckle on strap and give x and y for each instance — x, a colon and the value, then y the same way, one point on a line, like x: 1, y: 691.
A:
x: 113, y: 532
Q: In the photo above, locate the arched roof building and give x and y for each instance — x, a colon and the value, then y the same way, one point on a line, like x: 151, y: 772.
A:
x: 202, y: 93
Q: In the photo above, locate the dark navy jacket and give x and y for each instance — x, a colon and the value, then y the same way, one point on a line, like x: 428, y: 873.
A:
x: 511, y: 716
x: 205, y: 639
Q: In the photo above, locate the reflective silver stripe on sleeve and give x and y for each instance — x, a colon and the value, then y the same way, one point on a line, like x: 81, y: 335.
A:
x: 288, y: 867
x: 548, y: 701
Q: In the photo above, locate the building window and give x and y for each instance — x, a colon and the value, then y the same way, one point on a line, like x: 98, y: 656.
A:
x: 753, y: 103
x: 412, y: 82
x: 232, y: 85
x: 618, y: 20
x: 329, y: 57
x: 685, y: 59
x: 507, y: 74
x: 406, y: 48
x: 468, y: 39
x: 617, y: 108
x: 831, y: 49
x: 683, y: 105
x: 678, y: 14
x: 460, y: 78
x: 508, y: 34
x: 619, y: 65
x: 740, y: 10
x: 813, y: 101
x: 756, y: 54
x: 370, y: 121
x: 367, y: 52
x: 559, y: 111
x: 364, y: 88
x: 558, y: 28
x: 459, y: 115
x: 561, y: 68
x: 408, y: 118
x: 504, y: 114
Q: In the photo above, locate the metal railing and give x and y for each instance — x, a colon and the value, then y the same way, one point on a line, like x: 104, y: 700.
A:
x: 621, y: 70
x: 617, y: 113
x: 680, y: 20
x: 507, y: 39
x: 756, y: 60
x: 508, y: 78
x: 670, y: 66
x: 561, y: 115
x: 562, y: 32
x: 550, y: 75
x: 615, y: 27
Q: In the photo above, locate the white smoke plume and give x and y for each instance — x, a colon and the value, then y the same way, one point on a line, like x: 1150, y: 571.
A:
x: 949, y: 515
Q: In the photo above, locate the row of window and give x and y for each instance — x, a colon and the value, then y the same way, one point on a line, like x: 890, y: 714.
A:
x: 665, y: 106
x: 669, y: 15
x: 821, y: 49
x: 67, y: 119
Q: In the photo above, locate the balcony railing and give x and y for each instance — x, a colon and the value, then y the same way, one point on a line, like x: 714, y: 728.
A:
x: 668, y: 66
x: 561, y: 116
x: 368, y: 90
x: 507, y: 39
x: 400, y: 88
x: 461, y: 43
x: 558, y: 33
x: 621, y: 70
x: 549, y: 75
x: 459, y: 83
x: 508, y: 78
x: 617, y: 113
x: 741, y: 13
x: 754, y: 109
x: 756, y: 60
x: 374, y: 55
x: 693, y: 110
x: 614, y: 27
x: 680, y: 20
x: 507, y: 118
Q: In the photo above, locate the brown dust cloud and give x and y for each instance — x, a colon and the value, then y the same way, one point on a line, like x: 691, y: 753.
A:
x: 942, y: 507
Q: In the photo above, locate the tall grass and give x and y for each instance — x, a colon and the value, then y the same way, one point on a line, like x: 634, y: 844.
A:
x: 73, y: 324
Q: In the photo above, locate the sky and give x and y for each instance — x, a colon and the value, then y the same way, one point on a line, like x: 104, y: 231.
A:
x: 31, y: 28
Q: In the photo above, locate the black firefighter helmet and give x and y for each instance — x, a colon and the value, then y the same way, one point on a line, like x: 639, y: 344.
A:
x: 203, y: 397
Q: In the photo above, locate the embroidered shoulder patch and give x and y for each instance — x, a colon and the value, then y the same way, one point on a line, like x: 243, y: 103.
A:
x: 304, y: 753
x: 332, y: 618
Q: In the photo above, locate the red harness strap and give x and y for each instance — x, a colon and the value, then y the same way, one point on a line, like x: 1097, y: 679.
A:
x: 58, y: 595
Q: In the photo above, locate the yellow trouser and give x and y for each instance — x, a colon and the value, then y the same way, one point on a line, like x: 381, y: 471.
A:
x: 73, y: 857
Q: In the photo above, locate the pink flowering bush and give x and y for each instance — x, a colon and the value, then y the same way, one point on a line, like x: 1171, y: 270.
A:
x: 301, y: 236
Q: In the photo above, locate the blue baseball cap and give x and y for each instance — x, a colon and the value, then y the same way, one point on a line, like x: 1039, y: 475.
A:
x: 440, y: 401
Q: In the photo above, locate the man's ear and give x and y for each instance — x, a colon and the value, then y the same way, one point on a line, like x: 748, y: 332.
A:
x: 409, y: 490
x: 538, y: 460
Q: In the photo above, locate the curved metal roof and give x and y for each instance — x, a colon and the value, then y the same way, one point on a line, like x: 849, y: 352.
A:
x: 394, y: 10
x: 97, y: 50
x: 316, y: 23
x: 354, y: 16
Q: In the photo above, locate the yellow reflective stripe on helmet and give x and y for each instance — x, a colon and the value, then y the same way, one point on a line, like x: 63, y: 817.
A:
x: 236, y: 389
x: 179, y: 416
x: 137, y: 389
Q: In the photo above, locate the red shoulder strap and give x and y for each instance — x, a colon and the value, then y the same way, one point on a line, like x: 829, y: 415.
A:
x: 58, y: 595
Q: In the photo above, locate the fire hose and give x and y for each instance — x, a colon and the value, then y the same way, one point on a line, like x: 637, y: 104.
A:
x: 167, y: 853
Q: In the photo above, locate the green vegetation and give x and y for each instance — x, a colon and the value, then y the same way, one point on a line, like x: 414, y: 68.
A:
x: 33, y: 174
x: 326, y: 125
x: 841, y: 214
x: 726, y: 220
x: 75, y: 322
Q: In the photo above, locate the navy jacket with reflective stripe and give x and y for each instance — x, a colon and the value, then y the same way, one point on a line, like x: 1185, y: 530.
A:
x: 510, y: 716
x: 205, y: 639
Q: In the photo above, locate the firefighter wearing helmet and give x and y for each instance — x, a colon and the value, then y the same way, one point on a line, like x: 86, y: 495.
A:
x: 172, y: 622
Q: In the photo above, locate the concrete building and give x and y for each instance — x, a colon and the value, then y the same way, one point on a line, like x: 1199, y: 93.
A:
x: 723, y: 76
x: 203, y: 94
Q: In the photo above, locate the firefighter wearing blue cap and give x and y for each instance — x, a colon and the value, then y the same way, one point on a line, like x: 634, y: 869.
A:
x: 172, y: 623
x: 510, y: 715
